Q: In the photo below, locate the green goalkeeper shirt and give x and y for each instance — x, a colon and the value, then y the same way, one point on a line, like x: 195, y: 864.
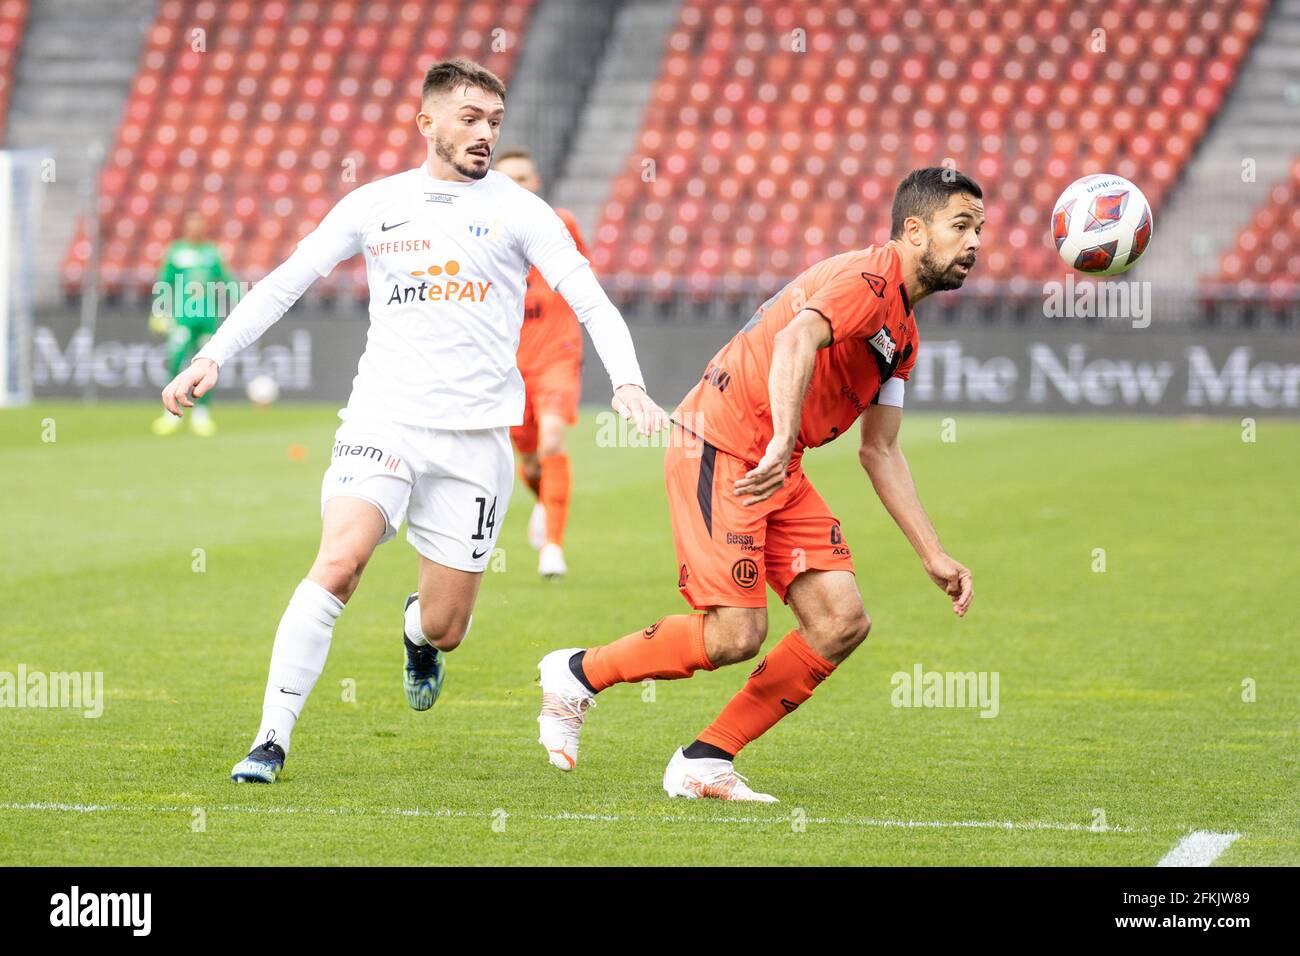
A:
x: 198, y: 289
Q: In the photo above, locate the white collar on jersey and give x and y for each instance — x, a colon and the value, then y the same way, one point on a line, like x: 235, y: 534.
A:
x: 423, y: 168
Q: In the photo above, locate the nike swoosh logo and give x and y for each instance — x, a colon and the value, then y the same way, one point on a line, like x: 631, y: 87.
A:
x: 293, y: 692
x: 384, y: 227
x: 478, y: 554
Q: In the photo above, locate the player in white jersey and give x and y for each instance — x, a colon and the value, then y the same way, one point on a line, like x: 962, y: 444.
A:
x: 425, y: 433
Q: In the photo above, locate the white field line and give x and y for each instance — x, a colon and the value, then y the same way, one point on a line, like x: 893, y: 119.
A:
x: 1199, y: 848
x: 865, y: 822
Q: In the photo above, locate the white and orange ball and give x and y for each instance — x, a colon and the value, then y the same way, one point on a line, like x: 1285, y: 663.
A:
x: 1101, y: 225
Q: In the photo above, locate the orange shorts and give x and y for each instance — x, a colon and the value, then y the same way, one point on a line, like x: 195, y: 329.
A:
x: 726, y: 551
x: 555, y: 388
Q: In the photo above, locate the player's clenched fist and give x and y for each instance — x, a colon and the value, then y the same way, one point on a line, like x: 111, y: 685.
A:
x: 954, y: 578
x: 193, y: 382
x: 632, y: 402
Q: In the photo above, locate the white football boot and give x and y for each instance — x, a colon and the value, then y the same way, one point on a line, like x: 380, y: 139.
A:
x: 550, y: 563
x: 565, y: 702
x: 537, y: 527
x: 708, y: 777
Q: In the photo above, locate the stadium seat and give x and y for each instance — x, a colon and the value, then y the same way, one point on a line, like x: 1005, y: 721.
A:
x: 1264, y: 262
x: 255, y: 131
x: 811, y: 146
x: 13, y: 16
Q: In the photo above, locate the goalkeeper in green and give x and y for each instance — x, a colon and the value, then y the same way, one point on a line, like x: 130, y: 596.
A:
x: 193, y: 293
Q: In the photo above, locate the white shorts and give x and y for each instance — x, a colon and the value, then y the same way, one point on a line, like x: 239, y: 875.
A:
x: 452, y: 487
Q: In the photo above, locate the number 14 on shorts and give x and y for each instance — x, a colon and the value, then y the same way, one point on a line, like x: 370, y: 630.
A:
x: 487, y: 519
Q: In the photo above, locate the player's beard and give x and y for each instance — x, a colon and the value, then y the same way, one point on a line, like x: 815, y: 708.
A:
x: 447, y: 153
x: 937, y: 277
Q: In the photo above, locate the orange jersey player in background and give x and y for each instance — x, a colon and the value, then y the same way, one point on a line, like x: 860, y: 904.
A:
x: 832, y: 348
x: 550, y: 360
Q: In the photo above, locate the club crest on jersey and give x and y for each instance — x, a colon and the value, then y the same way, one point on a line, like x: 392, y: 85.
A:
x: 884, y: 343
x: 478, y: 228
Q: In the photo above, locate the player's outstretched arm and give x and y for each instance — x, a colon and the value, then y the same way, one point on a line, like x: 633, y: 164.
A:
x: 794, y: 353
x: 884, y: 463
x: 609, y: 333
x: 547, y: 243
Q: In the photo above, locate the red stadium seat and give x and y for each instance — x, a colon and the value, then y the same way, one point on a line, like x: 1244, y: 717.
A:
x: 13, y: 16
x: 1267, y: 250
x: 257, y: 141
x: 808, y: 148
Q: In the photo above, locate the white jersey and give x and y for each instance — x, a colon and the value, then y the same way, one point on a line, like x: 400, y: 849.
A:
x: 447, y: 264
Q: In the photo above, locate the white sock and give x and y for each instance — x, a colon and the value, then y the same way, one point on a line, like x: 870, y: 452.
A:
x: 415, y: 633
x: 302, y: 643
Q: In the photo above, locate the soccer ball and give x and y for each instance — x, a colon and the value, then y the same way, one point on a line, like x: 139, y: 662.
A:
x: 262, y: 390
x: 1101, y: 225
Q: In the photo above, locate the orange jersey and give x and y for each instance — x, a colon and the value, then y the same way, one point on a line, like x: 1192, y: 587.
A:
x: 874, y: 338
x: 551, y: 332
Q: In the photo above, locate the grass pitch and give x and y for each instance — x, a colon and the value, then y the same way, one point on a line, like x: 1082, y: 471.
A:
x: 1124, y: 719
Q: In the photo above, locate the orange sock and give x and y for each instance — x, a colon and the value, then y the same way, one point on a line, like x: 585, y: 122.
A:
x: 670, y: 648
x: 554, y: 496
x: 533, y: 482
x: 782, y: 681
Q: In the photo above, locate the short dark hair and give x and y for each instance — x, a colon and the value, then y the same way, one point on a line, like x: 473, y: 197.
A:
x: 925, y: 191
x: 514, y: 152
x: 448, y: 75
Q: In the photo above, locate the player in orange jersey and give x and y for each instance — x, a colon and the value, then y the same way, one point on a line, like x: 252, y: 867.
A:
x: 835, y: 346
x: 550, y: 360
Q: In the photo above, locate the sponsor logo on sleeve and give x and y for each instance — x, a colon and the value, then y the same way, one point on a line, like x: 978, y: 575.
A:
x: 884, y: 343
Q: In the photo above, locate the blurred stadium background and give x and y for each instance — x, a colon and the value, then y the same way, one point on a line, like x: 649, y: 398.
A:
x: 710, y: 151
